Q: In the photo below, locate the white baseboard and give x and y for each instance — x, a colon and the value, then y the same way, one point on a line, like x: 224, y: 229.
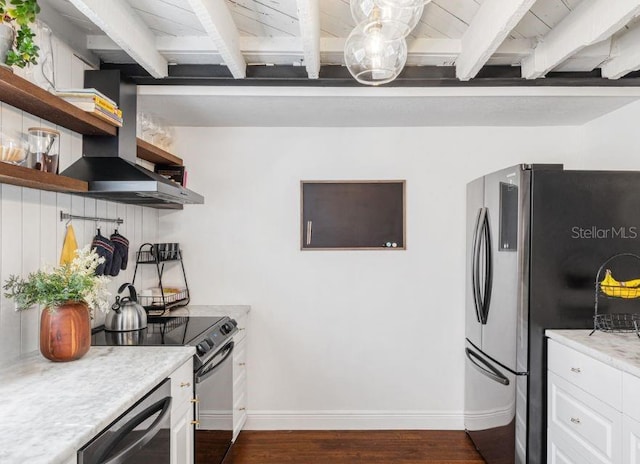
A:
x: 211, y: 421
x: 354, y: 420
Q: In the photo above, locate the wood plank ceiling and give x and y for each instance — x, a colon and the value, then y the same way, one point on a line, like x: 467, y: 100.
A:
x: 539, y: 36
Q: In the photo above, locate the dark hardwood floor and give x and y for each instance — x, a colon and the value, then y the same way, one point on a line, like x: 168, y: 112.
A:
x: 353, y: 447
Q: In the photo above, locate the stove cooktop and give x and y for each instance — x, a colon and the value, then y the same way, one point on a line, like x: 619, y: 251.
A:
x: 160, y: 331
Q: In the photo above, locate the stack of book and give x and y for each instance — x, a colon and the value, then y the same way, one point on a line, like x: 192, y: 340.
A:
x: 94, y: 102
x: 172, y: 172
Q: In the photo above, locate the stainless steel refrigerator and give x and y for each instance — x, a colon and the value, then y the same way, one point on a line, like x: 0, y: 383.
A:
x: 536, y: 236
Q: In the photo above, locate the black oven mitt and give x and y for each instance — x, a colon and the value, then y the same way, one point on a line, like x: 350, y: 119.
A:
x: 120, y: 253
x: 104, y: 248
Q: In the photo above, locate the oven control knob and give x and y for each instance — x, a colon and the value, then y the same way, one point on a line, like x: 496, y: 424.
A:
x: 203, y: 346
x: 225, y: 329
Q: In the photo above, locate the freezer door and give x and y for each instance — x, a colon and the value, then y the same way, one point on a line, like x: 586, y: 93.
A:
x: 475, y: 204
x: 502, y: 194
x: 490, y: 408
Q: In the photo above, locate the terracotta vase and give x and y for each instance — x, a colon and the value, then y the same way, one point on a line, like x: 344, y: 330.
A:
x: 65, y: 332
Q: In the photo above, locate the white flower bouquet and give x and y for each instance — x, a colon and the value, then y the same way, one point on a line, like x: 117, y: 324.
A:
x: 75, y: 281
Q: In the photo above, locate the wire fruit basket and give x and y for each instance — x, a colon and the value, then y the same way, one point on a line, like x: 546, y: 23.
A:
x: 611, y: 288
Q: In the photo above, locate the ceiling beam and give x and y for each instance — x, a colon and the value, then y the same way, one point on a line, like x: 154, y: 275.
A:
x: 339, y: 76
x: 625, y: 56
x: 121, y: 23
x: 309, y: 19
x: 70, y: 33
x: 490, y: 26
x: 287, y: 50
x: 590, y: 22
x: 215, y: 17
x: 587, y: 59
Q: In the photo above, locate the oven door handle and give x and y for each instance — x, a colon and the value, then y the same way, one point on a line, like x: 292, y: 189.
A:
x: 164, y: 405
x: 207, y: 371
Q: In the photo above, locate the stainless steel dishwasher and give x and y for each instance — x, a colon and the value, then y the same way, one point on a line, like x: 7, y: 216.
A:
x: 140, y: 436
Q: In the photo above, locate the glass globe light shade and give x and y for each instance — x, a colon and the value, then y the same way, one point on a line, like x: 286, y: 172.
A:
x: 399, y: 22
x: 402, y: 3
x: 372, y: 57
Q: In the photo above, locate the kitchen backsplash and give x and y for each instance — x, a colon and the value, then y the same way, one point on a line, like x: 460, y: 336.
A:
x: 31, y: 232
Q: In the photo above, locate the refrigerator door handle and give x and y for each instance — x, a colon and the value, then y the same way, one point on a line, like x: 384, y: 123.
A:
x: 475, y: 263
x: 490, y: 371
x: 488, y: 269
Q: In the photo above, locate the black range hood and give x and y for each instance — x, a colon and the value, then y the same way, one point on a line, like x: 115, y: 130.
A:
x: 108, y: 164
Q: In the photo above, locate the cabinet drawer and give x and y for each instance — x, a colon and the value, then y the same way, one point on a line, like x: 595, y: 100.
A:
x: 182, y: 384
x: 239, y: 360
x: 559, y: 453
x: 238, y: 423
x: 240, y: 407
x: 240, y: 387
x: 583, y: 422
x: 630, y: 441
x: 242, y: 328
x: 594, y: 377
x: 631, y: 396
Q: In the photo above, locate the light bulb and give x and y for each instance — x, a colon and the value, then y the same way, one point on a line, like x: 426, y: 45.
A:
x: 372, y: 57
x: 399, y: 22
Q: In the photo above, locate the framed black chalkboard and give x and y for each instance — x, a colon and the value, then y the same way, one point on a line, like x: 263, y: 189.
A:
x: 353, y: 215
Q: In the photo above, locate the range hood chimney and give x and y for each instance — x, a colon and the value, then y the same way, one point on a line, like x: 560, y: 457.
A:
x: 109, y: 164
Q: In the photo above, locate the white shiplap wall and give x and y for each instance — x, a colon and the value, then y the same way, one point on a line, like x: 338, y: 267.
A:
x: 31, y: 233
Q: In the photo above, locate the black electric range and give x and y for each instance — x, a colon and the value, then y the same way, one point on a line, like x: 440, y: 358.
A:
x: 212, y: 376
x: 207, y: 334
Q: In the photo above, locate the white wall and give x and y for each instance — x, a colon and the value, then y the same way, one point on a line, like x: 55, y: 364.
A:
x: 344, y: 339
x: 612, y: 141
x: 31, y: 233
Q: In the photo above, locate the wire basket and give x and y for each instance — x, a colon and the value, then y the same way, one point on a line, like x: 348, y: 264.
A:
x: 609, y: 287
x: 612, y: 288
x: 157, y: 252
x: 155, y: 301
x: 617, y: 322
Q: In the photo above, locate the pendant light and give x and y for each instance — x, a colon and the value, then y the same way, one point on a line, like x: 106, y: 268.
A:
x: 399, y: 22
x: 373, y: 54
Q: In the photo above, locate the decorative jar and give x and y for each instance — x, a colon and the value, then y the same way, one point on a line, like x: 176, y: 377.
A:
x: 65, y: 331
x: 13, y: 149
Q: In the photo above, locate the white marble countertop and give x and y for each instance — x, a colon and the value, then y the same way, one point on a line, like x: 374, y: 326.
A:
x: 49, y: 410
x: 233, y: 311
x: 620, y: 350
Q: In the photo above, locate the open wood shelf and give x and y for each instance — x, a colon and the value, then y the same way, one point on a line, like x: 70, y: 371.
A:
x: 28, y: 97
x: 153, y: 154
x: 32, y: 178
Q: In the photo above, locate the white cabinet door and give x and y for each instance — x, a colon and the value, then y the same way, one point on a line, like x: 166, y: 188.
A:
x: 630, y: 441
x: 242, y: 328
x: 182, y: 437
x: 182, y: 451
x: 593, y: 376
x: 239, y: 385
x: 558, y: 453
x: 182, y: 385
x: 589, y: 425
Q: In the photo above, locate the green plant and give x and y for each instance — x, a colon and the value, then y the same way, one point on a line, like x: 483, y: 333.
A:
x: 20, y: 14
x: 74, y: 281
